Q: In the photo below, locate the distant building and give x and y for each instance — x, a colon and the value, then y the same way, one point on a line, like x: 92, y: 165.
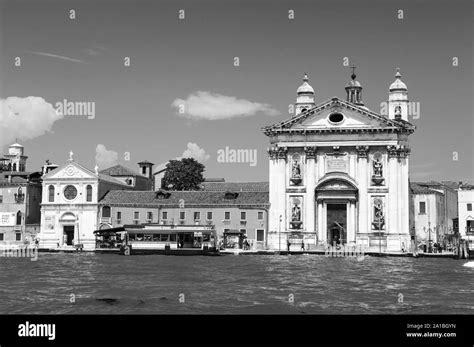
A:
x: 70, y: 202
x: 139, y: 181
x: 20, y: 198
x: 237, y: 212
x: 466, y: 213
x: 435, y: 210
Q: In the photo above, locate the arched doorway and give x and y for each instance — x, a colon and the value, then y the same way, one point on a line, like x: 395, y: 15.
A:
x: 336, y: 200
x: 68, y: 223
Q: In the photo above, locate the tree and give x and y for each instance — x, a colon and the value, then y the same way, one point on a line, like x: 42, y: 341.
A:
x: 184, y: 174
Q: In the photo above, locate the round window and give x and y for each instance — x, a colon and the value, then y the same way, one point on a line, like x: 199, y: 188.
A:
x: 70, y: 192
x: 336, y: 118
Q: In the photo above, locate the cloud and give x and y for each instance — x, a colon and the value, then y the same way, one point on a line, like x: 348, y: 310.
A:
x: 25, y: 118
x: 105, y: 158
x: 211, y: 106
x: 196, y: 152
x: 58, y: 57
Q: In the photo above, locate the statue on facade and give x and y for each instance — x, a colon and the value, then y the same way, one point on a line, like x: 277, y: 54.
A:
x: 379, y: 219
x: 398, y: 112
x: 377, y: 177
x: 296, y: 215
x: 295, y: 171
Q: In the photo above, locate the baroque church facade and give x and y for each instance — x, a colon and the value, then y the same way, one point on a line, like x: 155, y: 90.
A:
x: 338, y: 172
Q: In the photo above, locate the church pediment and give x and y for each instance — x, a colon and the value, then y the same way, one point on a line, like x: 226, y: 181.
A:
x: 338, y: 115
x: 70, y: 169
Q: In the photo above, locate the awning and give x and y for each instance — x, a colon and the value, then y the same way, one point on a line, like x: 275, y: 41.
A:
x: 233, y: 232
x: 109, y: 231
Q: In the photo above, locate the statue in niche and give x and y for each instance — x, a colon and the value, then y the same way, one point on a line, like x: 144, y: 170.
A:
x: 296, y: 171
x: 377, y: 177
x: 296, y: 215
x: 379, y: 219
x: 398, y: 112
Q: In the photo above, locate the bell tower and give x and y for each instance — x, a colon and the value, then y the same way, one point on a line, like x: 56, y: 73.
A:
x: 305, y: 97
x: 398, y: 99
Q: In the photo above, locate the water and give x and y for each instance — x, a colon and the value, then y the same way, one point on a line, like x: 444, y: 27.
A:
x: 152, y: 284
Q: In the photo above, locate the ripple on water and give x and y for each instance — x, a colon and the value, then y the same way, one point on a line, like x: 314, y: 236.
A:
x: 112, y: 284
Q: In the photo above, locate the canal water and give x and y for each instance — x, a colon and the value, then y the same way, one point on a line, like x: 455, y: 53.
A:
x: 256, y: 284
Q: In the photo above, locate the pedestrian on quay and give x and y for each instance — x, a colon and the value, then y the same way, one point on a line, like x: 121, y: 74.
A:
x: 288, y: 244
x: 302, y: 245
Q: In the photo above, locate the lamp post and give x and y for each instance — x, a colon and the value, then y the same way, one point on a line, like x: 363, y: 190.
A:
x: 429, y: 237
x: 279, y: 234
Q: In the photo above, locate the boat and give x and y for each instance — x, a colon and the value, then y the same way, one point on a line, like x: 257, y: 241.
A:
x: 159, y: 239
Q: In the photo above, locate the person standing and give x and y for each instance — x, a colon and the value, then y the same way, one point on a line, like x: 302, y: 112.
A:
x: 288, y: 244
x: 302, y: 245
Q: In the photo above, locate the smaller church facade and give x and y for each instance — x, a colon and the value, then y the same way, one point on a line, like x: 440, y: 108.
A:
x: 338, y: 172
x: 70, y: 202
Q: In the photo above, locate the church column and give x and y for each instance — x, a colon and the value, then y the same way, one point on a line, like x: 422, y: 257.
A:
x: 363, y: 177
x: 404, y: 196
x: 324, y: 228
x: 277, y: 194
x: 319, y: 218
x: 392, y: 208
x: 310, y: 176
x: 351, y: 218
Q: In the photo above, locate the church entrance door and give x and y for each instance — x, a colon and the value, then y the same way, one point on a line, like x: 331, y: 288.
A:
x: 337, y: 223
x: 69, y: 234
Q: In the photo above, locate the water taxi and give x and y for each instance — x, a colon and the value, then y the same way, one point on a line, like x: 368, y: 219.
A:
x: 159, y: 239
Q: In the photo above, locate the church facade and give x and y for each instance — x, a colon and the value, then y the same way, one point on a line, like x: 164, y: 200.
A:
x: 338, y: 172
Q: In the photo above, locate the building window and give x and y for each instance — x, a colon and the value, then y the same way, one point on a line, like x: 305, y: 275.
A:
x: 1, y: 199
x: 18, y: 218
x: 243, y: 215
x: 18, y: 237
x: 422, y: 209
x: 260, y: 235
x: 149, y: 216
x: 197, y: 215
x: 227, y: 215
x: 209, y: 215
x: 143, y: 170
x: 106, y: 211
x: 244, y: 231
x: 260, y: 216
x: 226, y: 230
x: 182, y: 215
x: 70, y: 192
x: 1, y: 236
x: 51, y: 193
x: 136, y: 215
x: 89, y: 193
x: 469, y: 207
x: 119, y: 216
x: 164, y: 215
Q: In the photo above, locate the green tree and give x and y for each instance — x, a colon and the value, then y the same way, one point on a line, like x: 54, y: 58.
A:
x: 184, y: 174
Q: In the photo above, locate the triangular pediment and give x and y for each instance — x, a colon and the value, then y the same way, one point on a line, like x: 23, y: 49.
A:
x: 338, y: 115
x: 70, y: 169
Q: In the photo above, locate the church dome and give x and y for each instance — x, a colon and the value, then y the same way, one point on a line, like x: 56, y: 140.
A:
x: 305, y: 88
x: 398, y: 84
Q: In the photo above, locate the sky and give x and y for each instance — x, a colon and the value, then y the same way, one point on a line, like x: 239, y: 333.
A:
x: 183, y: 95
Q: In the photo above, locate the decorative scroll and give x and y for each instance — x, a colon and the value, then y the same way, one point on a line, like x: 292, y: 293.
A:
x: 277, y: 152
x: 310, y: 152
x: 378, y: 222
x: 392, y: 151
x: 362, y: 151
